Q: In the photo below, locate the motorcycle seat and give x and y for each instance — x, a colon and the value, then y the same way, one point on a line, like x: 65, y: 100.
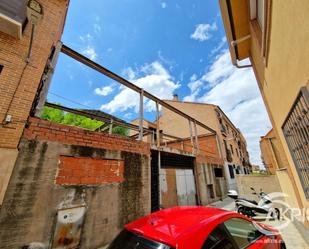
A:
x: 252, y: 201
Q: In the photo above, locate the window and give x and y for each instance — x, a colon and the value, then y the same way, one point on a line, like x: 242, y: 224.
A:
x: 243, y: 232
x: 1, y: 68
x: 231, y: 146
x: 218, y: 239
x: 231, y: 170
x: 296, y: 132
x: 218, y: 172
x: 225, y: 144
x: 237, y: 152
x: 128, y: 240
x: 238, y: 171
x: 260, y: 5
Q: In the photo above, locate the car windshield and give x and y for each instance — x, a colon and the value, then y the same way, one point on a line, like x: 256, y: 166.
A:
x: 128, y: 240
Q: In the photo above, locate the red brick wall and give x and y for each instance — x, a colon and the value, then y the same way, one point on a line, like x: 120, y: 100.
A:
x: 208, y: 149
x: 13, y: 53
x: 39, y: 129
x: 89, y: 171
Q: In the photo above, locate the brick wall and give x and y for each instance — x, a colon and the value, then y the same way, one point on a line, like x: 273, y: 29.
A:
x: 22, y: 77
x: 39, y: 129
x: 208, y: 149
x: 89, y: 171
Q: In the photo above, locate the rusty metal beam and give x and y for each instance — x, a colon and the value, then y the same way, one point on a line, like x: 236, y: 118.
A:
x: 107, y: 121
x: 84, y: 60
x: 92, y: 116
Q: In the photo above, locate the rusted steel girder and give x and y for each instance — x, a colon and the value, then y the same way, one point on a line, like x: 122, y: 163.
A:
x: 83, y: 59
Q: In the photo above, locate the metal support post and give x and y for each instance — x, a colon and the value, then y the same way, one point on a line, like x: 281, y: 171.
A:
x: 46, y: 80
x: 159, y: 176
x: 158, y: 125
x: 141, y: 115
x: 196, y: 138
x: 191, y: 137
x: 110, y: 131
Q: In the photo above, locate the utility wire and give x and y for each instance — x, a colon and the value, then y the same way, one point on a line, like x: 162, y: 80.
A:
x: 70, y: 100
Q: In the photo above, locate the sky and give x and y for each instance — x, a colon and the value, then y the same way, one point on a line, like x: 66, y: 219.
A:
x: 166, y: 47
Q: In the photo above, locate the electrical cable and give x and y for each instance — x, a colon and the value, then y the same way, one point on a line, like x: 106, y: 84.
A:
x: 14, y: 93
x: 70, y: 100
x: 21, y: 76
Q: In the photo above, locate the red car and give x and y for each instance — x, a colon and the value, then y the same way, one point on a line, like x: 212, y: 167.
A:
x: 196, y: 228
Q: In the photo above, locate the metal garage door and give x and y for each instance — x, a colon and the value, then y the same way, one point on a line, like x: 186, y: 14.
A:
x: 177, y: 187
x: 186, y: 192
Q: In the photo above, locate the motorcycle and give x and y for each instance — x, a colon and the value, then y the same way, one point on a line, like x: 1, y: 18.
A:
x: 252, y: 208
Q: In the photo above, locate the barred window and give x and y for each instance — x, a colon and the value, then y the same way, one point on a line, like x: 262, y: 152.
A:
x: 296, y: 132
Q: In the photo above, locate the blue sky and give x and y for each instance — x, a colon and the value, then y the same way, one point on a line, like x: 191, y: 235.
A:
x: 165, y: 47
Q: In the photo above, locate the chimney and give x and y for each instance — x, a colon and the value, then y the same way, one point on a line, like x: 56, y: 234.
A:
x: 175, y: 97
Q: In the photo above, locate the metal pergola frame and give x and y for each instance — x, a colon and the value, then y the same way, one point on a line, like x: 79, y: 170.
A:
x: 46, y: 80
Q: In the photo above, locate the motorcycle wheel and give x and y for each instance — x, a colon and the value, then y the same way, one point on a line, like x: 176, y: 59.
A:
x: 242, y: 210
x: 275, y: 214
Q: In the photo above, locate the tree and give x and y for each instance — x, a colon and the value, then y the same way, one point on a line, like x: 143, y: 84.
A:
x: 58, y: 116
x: 121, y: 131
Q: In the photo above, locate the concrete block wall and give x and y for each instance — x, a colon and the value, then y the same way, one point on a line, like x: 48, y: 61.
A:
x: 269, y: 184
x: 34, y: 193
x: 206, y: 176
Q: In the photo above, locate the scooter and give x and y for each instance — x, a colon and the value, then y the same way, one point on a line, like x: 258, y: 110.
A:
x: 252, y: 208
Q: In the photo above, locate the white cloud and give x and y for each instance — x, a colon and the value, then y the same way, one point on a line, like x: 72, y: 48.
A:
x: 128, y: 115
x: 163, y: 5
x: 203, y: 31
x: 97, y: 28
x: 195, y: 86
x: 86, y: 38
x: 90, y: 52
x: 153, y: 78
x: 88, y: 48
x: 104, y: 91
x: 237, y: 94
x: 129, y: 73
x: 219, y: 47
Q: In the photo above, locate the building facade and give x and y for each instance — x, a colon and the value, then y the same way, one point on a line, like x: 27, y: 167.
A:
x: 272, y: 153
x: 231, y: 143
x: 22, y: 64
x: 274, y: 36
